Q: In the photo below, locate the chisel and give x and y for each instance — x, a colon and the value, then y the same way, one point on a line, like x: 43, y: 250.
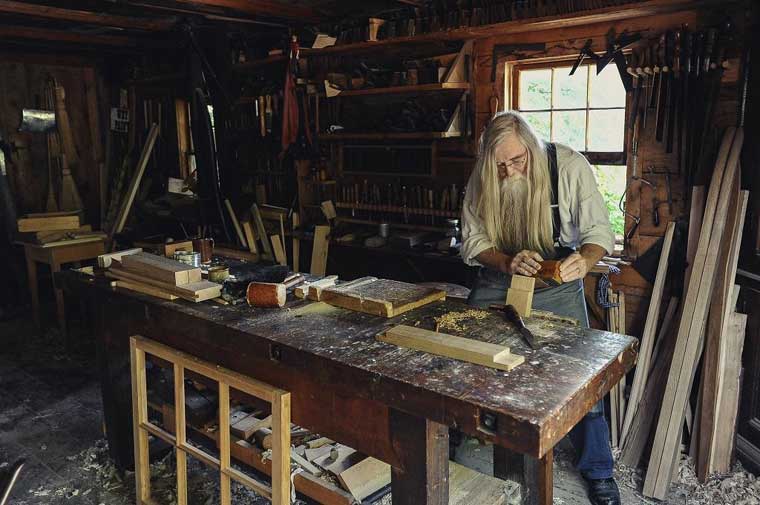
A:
x: 511, y: 315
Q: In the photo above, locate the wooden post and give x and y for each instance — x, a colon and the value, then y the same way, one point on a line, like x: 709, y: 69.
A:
x: 180, y: 433
x: 534, y: 475
x: 423, y: 447
x: 140, y: 415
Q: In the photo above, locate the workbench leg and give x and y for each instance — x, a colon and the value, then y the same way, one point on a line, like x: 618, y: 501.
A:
x: 422, y: 447
x: 31, y: 273
x: 55, y: 268
x: 534, y: 475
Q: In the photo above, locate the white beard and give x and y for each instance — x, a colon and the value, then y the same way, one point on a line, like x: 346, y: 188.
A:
x: 514, y: 211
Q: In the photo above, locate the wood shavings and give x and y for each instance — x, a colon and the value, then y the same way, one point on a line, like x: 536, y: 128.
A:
x: 452, y: 320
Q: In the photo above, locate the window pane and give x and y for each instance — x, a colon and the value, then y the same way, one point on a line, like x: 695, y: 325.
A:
x: 607, y: 89
x: 535, y: 89
x: 570, y: 128
x: 611, y: 181
x: 606, y: 130
x: 540, y: 123
x: 569, y: 90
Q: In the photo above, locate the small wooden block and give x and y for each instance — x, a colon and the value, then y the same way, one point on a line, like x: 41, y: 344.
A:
x: 366, y: 477
x: 161, y: 268
x: 523, y: 283
x: 50, y: 222
x: 246, y: 427
x: 520, y: 294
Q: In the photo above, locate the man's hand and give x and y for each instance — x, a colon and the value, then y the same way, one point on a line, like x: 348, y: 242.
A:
x: 573, y: 267
x: 525, y: 262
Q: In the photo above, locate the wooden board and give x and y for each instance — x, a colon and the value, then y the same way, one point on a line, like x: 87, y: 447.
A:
x: 193, y: 292
x: 520, y: 294
x: 250, y: 236
x: 366, y: 477
x: 235, y: 223
x: 319, y: 251
x: 261, y: 231
x: 381, y: 297
x: 650, y: 331
x: 279, y: 252
x: 450, y: 346
x: 145, y: 289
x: 49, y: 223
x: 161, y: 268
x: 172, y: 247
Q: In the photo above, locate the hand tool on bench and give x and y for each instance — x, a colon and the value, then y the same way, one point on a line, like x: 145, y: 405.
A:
x: 511, y: 315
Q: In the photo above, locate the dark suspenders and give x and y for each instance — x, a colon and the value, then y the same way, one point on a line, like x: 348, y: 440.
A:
x: 551, y: 152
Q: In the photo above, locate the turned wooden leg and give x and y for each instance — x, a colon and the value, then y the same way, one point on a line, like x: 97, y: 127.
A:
x: 422, y: 446
x: 534, y: 475
x: 31, y: 273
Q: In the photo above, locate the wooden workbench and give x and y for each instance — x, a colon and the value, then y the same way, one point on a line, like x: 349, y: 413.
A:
x: 391, y: 403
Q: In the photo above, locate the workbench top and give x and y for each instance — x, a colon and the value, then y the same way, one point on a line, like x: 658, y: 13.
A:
x: 539, y: 401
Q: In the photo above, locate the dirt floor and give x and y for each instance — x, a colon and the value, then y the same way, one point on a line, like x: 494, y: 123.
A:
x: 51, y: 415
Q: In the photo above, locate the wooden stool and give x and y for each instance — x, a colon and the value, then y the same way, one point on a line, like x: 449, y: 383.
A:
x: 55, y: 256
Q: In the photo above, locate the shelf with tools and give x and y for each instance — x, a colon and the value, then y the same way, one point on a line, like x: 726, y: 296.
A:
x: 395, y: 209
x: 409, y: 89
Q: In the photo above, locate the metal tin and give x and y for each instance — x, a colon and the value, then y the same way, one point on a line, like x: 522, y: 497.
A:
x: 218, y: 273
x: 383, y: 229
x: 188, y: 257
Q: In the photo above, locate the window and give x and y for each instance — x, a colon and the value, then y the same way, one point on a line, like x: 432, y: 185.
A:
x: 585, y: 111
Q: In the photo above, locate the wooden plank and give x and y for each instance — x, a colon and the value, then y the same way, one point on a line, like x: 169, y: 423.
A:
x: 144, y: 289
x: 650, y: 331
x: 366, y: 477
x: 281, y: 449
x: 319, y: 251
x: 261, y: 231
x: 716, y: 338
x: 381, y: 297
x: 140, y: 416
x: 161, y: 268
x: 689, y: 341
x: 695, y: 224
x: 181, y: 115
x: 193, y: 292
x: 228, y: 252
x: 296, y: 242
x: 316, y: 288
x: 279, y: 252
x: 180, y: 432
x: 225, y: 485
x: 235, y: 223
x: 728, y: 395
x: 450, y: 346
x: 134, y: 184
x: 52, y: 223
x: 250, y: 237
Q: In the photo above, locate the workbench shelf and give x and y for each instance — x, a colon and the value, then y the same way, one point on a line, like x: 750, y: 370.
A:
x: 418, y: 88
x: 397, y: 209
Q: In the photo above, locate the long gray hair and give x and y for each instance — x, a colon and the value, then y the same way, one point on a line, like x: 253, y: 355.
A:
x: 538, y: 226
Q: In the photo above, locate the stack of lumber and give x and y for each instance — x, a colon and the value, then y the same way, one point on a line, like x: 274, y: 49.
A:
x: 56, y: 228
x: 704, y: 328
x: 158, y: 276
x: 616, y: 324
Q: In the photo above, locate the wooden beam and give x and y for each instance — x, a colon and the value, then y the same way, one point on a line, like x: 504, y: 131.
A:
x: 89, y: 17
x: 258, y: 8
x: 46, y: 34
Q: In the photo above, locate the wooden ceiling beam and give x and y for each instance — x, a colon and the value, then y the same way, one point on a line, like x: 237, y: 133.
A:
x: 81, y: 16
x: 48, y: 35
x: 259, y: 8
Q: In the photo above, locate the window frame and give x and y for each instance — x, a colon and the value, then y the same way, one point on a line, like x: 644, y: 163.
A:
x: 512, y: 91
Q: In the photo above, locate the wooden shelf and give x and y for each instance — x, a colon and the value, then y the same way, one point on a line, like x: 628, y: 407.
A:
x: 388, y: 136
x: 397, y: 209
x: 403, y: 226
x: 263, y: 62
x: 419, y: 88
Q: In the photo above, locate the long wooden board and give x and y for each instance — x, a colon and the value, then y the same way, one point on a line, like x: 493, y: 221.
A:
x: 145, y: 289
x: 648, y: 335
x: 161, y: 268
x: 381, y: 297
x: 450, y: 346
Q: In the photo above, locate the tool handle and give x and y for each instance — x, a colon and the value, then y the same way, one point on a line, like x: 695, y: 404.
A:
x: 513, y: 316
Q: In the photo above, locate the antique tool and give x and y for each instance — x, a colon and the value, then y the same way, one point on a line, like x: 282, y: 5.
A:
x: 549, y: 272
x: 266, y: 294
x: 659, y: 116
x: 511, y: 315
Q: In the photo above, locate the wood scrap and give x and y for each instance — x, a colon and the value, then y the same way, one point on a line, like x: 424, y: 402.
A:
x: 319, y: 442
x: 261, y: 231
x: 339, y: 459
x: 279, y: 252
x: 313, y: 290
x: 317, y: 452
x: 304, y: 463
x: 250, y: 236
x: 319, y: 251
x: 450, y: 346
x: 365, y: 477
x: 245, y: 428
x: 266, y: 294
x: 235, y: 223
x: 520, y: 294
x: 161, y: 268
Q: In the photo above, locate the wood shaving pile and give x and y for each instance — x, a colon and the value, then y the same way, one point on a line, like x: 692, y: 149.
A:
x: 451, y: 320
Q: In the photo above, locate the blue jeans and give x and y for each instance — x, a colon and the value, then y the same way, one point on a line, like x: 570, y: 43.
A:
x: 590, y: 436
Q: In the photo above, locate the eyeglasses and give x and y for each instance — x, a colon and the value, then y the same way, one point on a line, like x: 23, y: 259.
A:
x: 517, y: 162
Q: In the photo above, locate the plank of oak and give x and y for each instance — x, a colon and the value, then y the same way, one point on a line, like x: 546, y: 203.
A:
x: 145, y: 289
x: 450, y: 346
